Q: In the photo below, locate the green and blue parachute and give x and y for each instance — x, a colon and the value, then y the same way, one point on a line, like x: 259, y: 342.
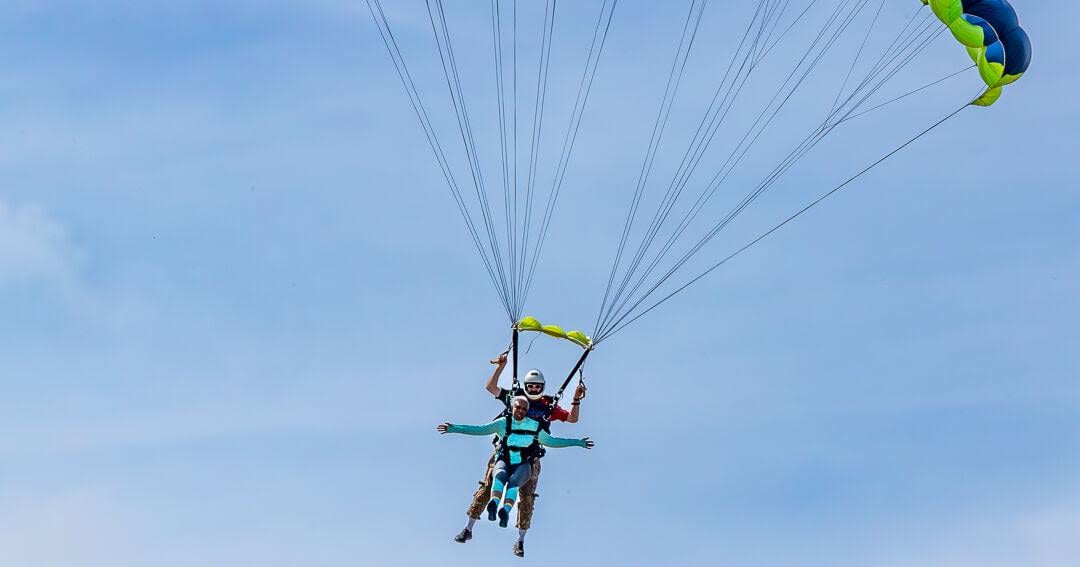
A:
x: 991, y: 32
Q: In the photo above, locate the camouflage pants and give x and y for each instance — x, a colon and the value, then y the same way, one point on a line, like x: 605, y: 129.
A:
x: 526, y: 496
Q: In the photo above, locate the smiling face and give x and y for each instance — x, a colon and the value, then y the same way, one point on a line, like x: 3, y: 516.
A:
x: 519, y: 408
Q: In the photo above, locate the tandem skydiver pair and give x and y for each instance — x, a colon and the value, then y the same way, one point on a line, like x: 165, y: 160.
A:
x: 522, y: 432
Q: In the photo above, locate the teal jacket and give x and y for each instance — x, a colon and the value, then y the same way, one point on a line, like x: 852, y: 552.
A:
x: 522, y: 435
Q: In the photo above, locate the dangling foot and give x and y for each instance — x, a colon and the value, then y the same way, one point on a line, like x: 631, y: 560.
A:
x: 519, y: 548
x: 464, y: 536
x: 492, y: 508
x: 504, y: 516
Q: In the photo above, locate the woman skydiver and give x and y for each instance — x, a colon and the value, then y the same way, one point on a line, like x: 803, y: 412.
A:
x: 545, y: 409
x: 520, y: 438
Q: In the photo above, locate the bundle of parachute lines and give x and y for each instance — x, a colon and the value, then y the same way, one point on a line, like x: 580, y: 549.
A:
x: 508, y: 199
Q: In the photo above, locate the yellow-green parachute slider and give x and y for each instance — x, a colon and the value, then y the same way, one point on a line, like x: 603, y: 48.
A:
x: 577, y: 337
x: 529, y: 324
x: 991, y: 32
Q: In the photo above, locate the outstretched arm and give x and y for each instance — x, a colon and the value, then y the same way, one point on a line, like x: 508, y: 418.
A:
x: 548, y: 440
x: 487, y: 429
x: 492, y: 385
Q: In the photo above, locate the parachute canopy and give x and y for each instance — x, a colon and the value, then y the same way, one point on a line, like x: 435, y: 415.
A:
x: 991, y: 32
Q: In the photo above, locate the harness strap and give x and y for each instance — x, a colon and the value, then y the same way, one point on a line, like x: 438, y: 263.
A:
x: 527, y: 452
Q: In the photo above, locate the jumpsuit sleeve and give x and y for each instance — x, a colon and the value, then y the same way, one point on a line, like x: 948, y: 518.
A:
x: 487, y: 429
x: 559, y: 413
x: 548, y: 440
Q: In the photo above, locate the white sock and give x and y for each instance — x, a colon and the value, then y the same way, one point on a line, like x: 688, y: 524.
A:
x: 471, y: 522
x: 521, y: 535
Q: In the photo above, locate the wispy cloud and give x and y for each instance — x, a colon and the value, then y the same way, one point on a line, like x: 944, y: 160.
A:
x: 34, y: 247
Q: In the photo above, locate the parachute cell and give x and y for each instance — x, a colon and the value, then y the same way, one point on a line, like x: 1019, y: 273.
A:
x: 991, y: 32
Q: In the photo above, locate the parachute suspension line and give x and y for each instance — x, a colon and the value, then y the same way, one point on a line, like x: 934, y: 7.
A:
x: 697, y: 140
x: 400, y: 65
x: 695, y: 154
x: 508, y: 132
x: 666, y: 248
x: 616, y: 305
x: 778, y: 10
x: 508, y: 183
x: 678, y: 68
x: 777, y: 227
x: 800, y: 151
x: 513, y: 237
x: 534, y: 141
x: 796, y: 154
x: 913, y: 40
x: 712, y: 120
x: 916, y: 45
x: 793, y: 23
x: 811, y: 140
x: 596, y: 48
x: 453, y: 80
x: 907, y: 37
x: 533, y: 340
x: 909, y: 93
x: 697, y: 146
x: 844, y: 14
x: 858, y: 55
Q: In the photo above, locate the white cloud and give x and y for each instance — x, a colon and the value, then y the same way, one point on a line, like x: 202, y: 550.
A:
x: 34, y: 247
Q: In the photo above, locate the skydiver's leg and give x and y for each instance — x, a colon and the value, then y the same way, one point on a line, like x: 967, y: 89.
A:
x: 526, y: 500
x: 518, y: 477
x: 479, y: 500
x: 482, y: 494
x: 500, y: 477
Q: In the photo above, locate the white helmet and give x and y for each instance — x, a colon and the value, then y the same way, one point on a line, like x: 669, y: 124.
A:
x: 534, y: 376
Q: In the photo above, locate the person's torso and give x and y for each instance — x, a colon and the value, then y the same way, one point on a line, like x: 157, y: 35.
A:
x: 539, y: 409
x: 521, y: 439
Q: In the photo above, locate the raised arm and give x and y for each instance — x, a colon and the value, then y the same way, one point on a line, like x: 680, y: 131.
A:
x: 575, y: 407
x: 492, y: 385
x: 549, y: 440
x: 487, y: 429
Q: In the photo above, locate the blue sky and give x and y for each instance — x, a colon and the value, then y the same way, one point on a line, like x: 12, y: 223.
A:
x: 235, y: 299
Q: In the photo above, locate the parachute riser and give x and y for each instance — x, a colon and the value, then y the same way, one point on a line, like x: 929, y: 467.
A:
x: 514, y: 386
x: 570, y: 376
